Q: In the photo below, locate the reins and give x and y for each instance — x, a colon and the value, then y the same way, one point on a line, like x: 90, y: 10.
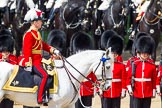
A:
x: 64, y: 60
x: 112, y: 17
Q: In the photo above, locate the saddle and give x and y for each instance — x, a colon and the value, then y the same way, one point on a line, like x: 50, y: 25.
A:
x: 23, y: 81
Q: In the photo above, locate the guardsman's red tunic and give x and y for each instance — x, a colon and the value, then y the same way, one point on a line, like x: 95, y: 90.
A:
x: 118, y: 81
x: 145, y: 79
x: 158, y: 79
x: 12, y: 59
x: 86, y: 87
x: 119, y: 59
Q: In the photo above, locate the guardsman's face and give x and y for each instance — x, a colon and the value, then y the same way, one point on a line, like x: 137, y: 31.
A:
x: 5, y: 55
x: 114, y: 54
x: 144, y: 56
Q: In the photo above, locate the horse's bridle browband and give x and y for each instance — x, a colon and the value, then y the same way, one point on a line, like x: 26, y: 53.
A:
x: 158, y: 16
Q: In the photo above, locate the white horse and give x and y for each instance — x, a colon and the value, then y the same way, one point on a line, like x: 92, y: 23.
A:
x: 66, y: 96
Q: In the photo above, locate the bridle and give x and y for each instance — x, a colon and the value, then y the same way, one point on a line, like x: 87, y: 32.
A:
x: 70, y: 25
x: 157, y: 18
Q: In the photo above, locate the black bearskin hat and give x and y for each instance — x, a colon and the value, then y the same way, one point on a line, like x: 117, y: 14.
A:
x: 105, y: 37
x: 138, y: 35
x: 116, y: 44
x: 145, y: 44
x: 6, y: 44
x: 57, y: 39
x: 81, y: 41
x: 5, y: 32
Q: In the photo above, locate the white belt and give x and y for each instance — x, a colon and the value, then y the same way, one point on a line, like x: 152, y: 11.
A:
x: 142, y: 79
x: 116, y: 80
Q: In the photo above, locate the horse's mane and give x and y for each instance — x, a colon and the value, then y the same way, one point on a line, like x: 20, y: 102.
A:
x: 150, y: 5
x: 85, y: 54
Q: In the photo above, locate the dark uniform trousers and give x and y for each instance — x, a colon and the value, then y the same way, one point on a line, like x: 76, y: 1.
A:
x: 86, y: 101
x: 131, y: 102
x: 142, y: 102
x: 30, y: 107
x: 110, y: 102
x: 6, y: 103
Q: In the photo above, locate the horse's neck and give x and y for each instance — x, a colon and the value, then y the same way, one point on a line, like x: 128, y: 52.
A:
x: 152, y: 12
x: 83, y: 62
x: 5, y: 71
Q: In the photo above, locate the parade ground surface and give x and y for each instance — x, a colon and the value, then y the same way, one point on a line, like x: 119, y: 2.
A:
x: 124, y: 102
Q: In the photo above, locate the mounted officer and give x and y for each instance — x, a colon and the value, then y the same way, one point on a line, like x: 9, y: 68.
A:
x: 33, y: 45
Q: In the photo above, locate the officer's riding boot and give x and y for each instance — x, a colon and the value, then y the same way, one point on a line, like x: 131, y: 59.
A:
x: 98, y: 31
x: 46, y: 98
x: 2, y: 11
x: 12, y: 14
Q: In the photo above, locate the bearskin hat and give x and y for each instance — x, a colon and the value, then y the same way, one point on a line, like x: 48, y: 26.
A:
x: 33, y: 15
x: 138, y: 35
x: 105, y: 36
x: 57, y: 39
x: 81, y: 41
x: 116, y: 44
x: 6, y: 44
x: 145, y: 44
x: 5, y: 32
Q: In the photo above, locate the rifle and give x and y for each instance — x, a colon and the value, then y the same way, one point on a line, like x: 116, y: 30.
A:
x: 133, y: 73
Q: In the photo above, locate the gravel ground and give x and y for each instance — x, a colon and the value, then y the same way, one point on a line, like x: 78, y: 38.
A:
x: 124, y: 103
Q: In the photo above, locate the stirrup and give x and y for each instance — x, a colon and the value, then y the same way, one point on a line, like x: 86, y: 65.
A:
x: 98, y: 31
x: 131, y: 37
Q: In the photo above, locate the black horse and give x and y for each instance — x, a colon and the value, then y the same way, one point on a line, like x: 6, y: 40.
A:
x: 115, y: 16
x: 70, y: 18
x: 150, y: 23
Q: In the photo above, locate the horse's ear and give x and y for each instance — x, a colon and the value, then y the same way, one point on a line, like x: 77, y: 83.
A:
x: 108, y: 51
x: 109, y: 55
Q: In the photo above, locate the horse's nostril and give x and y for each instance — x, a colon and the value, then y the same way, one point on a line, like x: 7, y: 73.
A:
x: 107, y: 67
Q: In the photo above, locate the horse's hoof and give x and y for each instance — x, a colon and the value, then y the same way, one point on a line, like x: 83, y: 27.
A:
x: 45, y: 104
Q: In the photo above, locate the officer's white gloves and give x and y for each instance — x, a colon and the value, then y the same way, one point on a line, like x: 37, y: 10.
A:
x: 56, y: 52
x: 123, y: 93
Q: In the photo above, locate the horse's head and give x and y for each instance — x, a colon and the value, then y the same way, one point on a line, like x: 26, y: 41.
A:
x: 103, y: 70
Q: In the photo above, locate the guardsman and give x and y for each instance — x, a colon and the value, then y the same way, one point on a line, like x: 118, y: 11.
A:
x: 112, y: 97
x: 135, y: 57
x: 6, y: 50
x: 144, y: 74
x: 158, y: 81
x: 33, y: 45
x: 87, y: 92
